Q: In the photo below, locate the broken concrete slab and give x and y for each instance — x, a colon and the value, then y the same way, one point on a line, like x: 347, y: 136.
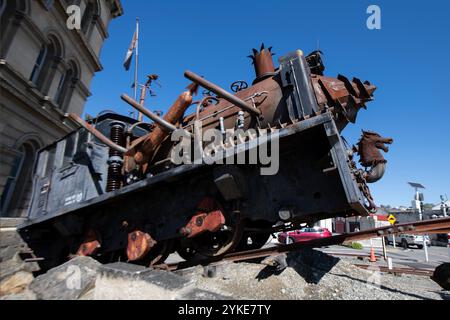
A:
x: 16, y: 264
x: 121, y: 281
x: 24, y: 295
x: 10, y: 238
x: 68, y: 281
x: 15, y: 283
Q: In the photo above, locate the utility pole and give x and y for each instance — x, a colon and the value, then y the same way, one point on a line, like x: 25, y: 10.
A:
x: 417, y: 205
x: 443, y: 206
x: 418, y: 198
x: 144, y: 87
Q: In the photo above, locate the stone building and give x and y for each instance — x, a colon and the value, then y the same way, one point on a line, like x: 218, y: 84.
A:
x: 45, y: 72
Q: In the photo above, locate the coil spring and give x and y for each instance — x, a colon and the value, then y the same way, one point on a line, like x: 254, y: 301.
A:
x: 115, y: 178
x: 116, y: 136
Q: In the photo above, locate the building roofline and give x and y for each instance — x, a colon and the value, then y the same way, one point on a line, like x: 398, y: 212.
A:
x: 117, y: 11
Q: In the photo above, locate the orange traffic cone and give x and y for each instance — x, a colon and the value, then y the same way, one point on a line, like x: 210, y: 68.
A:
x: 372, y: 255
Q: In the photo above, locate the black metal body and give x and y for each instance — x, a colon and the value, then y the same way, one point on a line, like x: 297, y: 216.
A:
x: 315, y: 181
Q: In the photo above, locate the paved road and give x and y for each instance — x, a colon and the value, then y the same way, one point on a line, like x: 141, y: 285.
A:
x: 411, y: 257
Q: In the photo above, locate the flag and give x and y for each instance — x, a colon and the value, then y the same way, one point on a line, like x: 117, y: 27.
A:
x: 130, y: 52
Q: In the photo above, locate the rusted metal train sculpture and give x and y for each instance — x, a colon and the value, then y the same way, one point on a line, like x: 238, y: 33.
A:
x: 112, y: 190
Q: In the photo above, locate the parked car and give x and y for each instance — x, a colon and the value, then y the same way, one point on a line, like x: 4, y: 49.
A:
x: 304, y: 234
x: 406, y: 240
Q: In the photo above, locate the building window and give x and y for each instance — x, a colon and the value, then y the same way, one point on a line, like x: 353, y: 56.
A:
x: 66, y: 86
x: 48, y: 4
x: 11, y: 181
x: 60, y: 90
x: 17, y: 192
x: 2, y: 7
x: 38, y: 64
x: 47, y: 63
x: 91, y: 12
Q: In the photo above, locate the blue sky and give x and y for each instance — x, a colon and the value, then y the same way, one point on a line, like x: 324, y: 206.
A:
x: 408, y: 59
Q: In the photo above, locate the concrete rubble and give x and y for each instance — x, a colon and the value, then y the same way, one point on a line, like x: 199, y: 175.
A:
x: 309, y: 274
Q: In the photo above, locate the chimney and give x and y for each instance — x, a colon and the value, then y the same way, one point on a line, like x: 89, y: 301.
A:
x: 263, y: 63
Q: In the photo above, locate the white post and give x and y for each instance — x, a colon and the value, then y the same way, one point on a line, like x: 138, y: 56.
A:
x: 420, y: 207
x: 384, y: 248
x: 393, y: 241
x: 448, y: 245
x: 425, y: 248
x: 389, y: 262
x: 444, y: 209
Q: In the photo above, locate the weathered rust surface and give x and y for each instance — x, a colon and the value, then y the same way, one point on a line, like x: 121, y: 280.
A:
x: 344, y: 96
x: 263, y: 63
x: 146, y: 149
x: 139, y: 244
x: 222, y: 93
x: 90, y: 245
x: 369, y: 147
x: 266, y: 95
x: 209, y: 217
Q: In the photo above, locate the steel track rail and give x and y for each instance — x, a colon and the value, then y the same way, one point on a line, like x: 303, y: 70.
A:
x: 413, y: 271
x: 427, y: 226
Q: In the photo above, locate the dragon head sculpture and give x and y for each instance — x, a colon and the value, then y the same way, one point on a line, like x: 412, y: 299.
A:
x: 369, y: 147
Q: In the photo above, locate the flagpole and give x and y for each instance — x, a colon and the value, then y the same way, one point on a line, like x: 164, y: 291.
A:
x: 136, y: 65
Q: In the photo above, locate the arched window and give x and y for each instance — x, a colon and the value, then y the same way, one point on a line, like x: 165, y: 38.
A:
x: 18, y: 188
x: 46, y: 63
x: 38, y: 64
x: 90, y: 14
x: 66, y: 86
x: 2, y: 6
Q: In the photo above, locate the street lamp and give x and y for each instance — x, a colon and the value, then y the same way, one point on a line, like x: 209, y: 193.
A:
x: 418, y: 198
x: 417, y: 205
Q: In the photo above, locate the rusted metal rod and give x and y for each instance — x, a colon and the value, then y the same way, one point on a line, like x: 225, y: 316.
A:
x: 148, y: 113
x: 417, y: 272
x: 221, y: 93
x: 97, y: 133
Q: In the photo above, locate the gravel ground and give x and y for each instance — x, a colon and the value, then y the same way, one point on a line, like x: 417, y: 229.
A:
x: 316, y: 276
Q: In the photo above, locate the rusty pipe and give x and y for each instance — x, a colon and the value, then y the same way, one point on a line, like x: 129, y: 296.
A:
x: 151, y: 142
x: 201, y: 103
x: 221, y: 93
x: 375, y: 173
x: 148, y: 113
x: 97, y: 133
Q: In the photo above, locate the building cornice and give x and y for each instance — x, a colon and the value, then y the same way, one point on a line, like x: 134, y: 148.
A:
x: 116, y: 11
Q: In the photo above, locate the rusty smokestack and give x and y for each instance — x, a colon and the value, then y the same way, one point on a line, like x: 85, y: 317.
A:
x: 263, y: 63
